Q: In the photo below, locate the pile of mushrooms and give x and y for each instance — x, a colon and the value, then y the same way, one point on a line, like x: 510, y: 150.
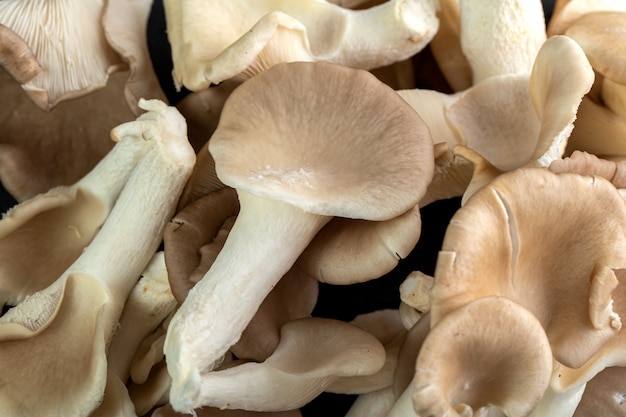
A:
x: 165, y: 256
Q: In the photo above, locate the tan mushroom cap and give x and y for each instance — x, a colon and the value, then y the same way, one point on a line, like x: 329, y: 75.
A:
x: 312, y: 353
x: 349, y: 251
x: 16, y: 56
x: 468, y: 364
x: 500, y: 222
x: 50, y: 30
x: 601, y: 35
x: 327, y: 178
x: 40, y: 150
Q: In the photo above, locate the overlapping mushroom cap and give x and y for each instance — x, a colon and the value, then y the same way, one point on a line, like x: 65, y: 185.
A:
x: 547, y: 241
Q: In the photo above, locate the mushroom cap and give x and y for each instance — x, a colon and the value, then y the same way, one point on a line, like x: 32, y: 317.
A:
x: 191, y: 240
x: 546, y: 237
x: 605, y: 394
x: 347, y: 251
x: 602, y: 36
x: 56, y: 40
x: 469, y: 361
x: 328, y: 139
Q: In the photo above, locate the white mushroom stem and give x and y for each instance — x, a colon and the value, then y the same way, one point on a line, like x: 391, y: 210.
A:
x: 501, y: 37
x: 58, y: 224
x: 81, y: 309
x: 194, y: 344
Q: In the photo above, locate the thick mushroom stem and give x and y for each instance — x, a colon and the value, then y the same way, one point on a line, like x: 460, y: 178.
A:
x: 195, y: 344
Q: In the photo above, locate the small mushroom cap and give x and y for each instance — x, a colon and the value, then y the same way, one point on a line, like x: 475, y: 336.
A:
x: 602, y: 36
x: 329, y: 139
x: 585, y: 163
x: 347, y: 251
x: 467, y: 361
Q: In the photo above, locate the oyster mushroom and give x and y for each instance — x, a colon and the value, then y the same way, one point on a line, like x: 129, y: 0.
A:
x: 499, y: 222
x: 312, y: 353
x: 16, y: 56
x: 291, y: 180
x: 247, y: 37
x: 468, y: 364
x: 57, y: 225
x: 81, y: 309
x: 49, y: 29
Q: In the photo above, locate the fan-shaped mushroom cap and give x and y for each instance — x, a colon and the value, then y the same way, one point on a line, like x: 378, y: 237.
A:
x: 491, y: 352
x: 49, y: 29
x: 324, y: 180
x: 500, y: 222
x: 312, y: 353
x: 291, y: 180
x: 250, y: 37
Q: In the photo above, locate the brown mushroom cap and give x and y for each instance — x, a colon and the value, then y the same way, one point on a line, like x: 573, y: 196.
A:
x: 554, y: 275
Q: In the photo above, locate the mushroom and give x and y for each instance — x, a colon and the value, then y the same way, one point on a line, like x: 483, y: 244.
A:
x: 49, y: 29
x: 585, y: 163
x: 247, y: 37
x: 567, y: 12
x: 500, y: 222
x: 568, y: 384
x: 501, y: 37
x: 57, y: 225
x: 81, y: 309
x: 125, y: 29
x: 468, y: 364
x: 291, y: 179
x: 192, y: 241
x: 605, y: 394
x: 349, y: 251
x: 16, y: 57
x: 40, y: 150
x: 312, y: 353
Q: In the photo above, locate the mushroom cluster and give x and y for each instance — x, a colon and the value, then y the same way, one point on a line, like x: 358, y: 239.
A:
x: 168, y: 240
